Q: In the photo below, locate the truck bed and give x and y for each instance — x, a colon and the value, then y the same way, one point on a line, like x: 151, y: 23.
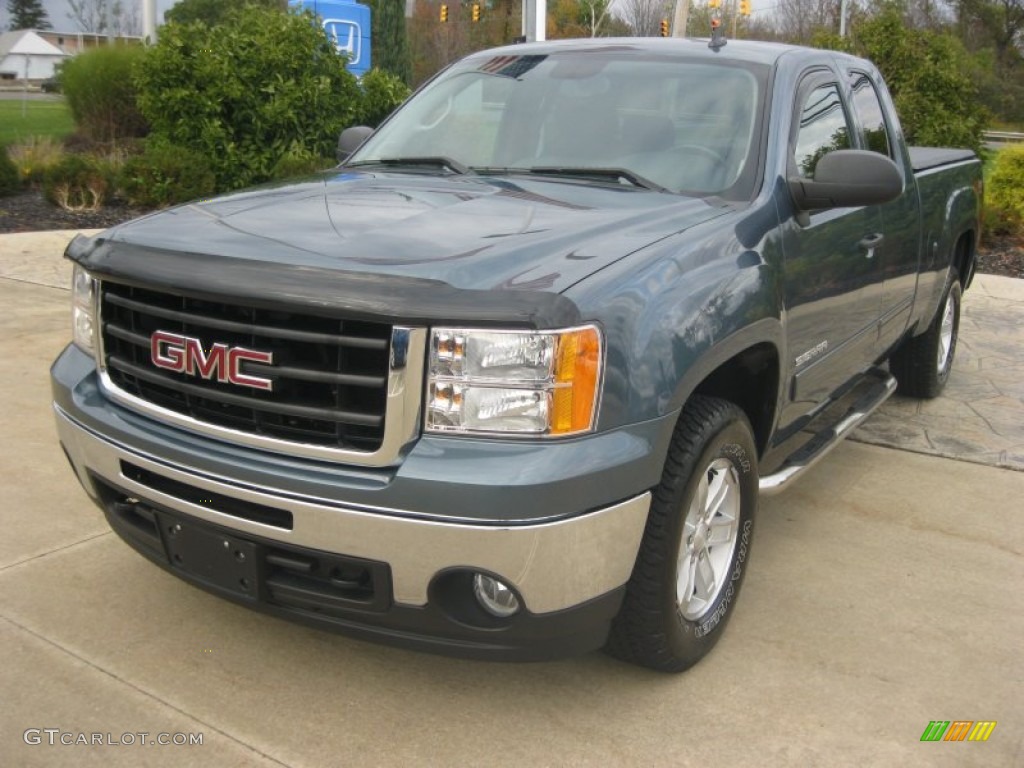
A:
x: 927, y: 158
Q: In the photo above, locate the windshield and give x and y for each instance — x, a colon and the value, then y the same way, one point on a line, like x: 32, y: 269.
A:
x: 683, y: 125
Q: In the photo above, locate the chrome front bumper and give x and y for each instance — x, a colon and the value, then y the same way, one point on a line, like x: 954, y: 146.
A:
x: 553, y: 565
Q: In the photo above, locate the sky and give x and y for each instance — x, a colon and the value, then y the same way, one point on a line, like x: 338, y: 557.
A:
x: 57, y: 11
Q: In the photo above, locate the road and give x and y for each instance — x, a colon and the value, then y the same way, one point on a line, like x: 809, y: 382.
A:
x: 884, y: 591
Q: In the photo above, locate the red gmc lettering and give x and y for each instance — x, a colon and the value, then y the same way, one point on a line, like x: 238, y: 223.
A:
x: 184, y: 354
x: 205, y: 365
x: 166, y: 351
x: 235, y: 358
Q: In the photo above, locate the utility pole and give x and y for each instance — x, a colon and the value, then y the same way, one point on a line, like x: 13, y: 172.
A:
x: 842, y: 18
x: 149, y: 21
x: 680, y: 18
x: 535, y: 18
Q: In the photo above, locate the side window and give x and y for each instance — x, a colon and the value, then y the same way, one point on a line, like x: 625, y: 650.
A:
x: 823, y: 128
x: 869, y: 111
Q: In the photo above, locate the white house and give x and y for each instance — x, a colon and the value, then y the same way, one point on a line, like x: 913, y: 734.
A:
x: 24, y: 55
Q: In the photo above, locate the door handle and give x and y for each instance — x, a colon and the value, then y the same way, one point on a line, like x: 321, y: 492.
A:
x: 871, y: 242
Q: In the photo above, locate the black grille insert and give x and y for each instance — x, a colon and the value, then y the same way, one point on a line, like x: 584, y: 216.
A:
x: 246, y: 510
x: 329, y: 375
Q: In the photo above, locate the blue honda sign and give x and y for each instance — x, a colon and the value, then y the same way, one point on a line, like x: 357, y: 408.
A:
x: 347, y: 25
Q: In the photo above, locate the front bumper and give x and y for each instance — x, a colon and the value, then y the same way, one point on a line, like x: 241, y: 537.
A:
x: 394, y: 575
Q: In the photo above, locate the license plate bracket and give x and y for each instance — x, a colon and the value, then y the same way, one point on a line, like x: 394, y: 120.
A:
x: 210, y: 557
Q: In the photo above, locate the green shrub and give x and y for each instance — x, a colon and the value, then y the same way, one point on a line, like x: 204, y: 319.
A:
x: 78, y: 183
x: 9, y: 180
x: 165, y: 174
x: 245, y: 93
x: 1004, y: 192
x: 213, y: 12
x: 297, y: 162
x: 382, y: 93
x: 99, y: 90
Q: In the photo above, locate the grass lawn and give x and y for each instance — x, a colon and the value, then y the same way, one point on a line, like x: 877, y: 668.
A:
x: 41, y: 118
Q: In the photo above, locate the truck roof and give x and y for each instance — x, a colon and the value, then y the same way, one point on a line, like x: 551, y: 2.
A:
x: 752, y: 51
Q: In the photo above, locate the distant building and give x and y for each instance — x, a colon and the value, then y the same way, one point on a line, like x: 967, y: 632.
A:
x: 76, y: 42
x: 33, y: 54
x: 24, y: 55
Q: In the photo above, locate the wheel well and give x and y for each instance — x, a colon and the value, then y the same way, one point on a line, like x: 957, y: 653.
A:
x: 751, y: 381
x: 963, y: 258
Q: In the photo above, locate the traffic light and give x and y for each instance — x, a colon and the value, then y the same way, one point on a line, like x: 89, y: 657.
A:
x: 476, y: 12
x: 664, y: 27
x: 744, y: 7
x: 444, y: 13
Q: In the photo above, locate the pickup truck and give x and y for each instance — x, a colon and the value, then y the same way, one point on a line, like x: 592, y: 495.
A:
x: 509, y: 381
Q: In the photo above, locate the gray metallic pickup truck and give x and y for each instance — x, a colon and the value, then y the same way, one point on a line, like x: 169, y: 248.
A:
x: 509, y: 381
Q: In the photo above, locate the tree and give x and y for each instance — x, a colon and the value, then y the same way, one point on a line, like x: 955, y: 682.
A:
x: 390, y: 41
x: 579, y: 18
x: 27, y: 14
x: 105, y: 16
x: 998, y: 22
x: 928, y: 74
x: 644, y: 16
x: 214, y: 12
x: 799, y: 20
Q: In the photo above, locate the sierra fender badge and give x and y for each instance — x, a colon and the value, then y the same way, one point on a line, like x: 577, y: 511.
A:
x: 812, y: 353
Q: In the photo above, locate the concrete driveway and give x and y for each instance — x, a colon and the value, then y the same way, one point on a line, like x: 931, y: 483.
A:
x: 886, y: 590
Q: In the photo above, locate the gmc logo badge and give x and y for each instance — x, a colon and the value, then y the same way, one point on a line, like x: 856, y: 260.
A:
x: 183, y: 354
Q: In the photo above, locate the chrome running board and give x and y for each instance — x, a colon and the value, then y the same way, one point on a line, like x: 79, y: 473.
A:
x: 815, y: 449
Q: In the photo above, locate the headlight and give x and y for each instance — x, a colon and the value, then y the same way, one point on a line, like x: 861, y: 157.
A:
x: 514, y: 382
x: 83, y: 326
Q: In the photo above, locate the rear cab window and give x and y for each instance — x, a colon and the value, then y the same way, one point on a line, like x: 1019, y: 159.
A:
x: 823, y: 126
x: 867, y: 106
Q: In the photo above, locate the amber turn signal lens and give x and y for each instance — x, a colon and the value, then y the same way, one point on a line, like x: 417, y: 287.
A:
x: 577, y: 374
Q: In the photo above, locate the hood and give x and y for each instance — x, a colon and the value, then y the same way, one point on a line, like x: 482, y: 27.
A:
x: 470, y: 232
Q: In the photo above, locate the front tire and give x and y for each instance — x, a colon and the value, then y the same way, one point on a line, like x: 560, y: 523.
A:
x: 696, y: 543
x: 922, y: 363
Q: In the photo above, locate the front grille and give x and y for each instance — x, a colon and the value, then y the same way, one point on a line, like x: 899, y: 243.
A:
x: 329, y: 375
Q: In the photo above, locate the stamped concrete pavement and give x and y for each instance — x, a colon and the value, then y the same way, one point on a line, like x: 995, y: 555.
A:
x: 980, y: 415
x: 883, y: 592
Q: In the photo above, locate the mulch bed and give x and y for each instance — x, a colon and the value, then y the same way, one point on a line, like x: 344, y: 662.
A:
x: 29, y: 212
x: 1001, y: 256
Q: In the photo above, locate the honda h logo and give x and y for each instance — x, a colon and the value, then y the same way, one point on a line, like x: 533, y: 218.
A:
x: 184, y: 354
x: 346, y: 36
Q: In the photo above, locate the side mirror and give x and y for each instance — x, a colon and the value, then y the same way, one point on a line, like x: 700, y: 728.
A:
x: 848, y: 177
x: 350, y: 140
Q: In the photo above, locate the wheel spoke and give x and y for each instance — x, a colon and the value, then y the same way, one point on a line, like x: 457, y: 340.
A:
x: 718, y: 493
x: 700, y: 501
x: 686, y: 571
x: 704, y: 578
x: 720, y: 530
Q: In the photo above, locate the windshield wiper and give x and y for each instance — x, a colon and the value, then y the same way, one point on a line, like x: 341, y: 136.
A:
x: 615, y: 174
x: 437, y: 161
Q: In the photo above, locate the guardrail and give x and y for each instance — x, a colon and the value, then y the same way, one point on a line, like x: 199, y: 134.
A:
x: 1002, y: 137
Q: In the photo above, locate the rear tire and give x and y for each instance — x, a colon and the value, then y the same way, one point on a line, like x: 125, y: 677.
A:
x: 922, y: 363
x: 695, y: 546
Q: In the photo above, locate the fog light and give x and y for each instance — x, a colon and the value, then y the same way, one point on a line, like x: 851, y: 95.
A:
x: 496, y: 597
